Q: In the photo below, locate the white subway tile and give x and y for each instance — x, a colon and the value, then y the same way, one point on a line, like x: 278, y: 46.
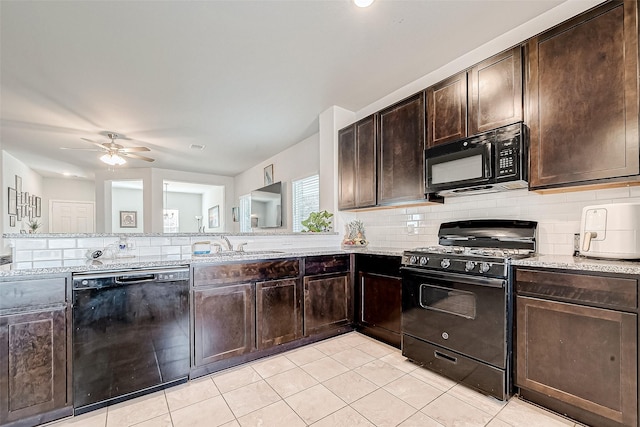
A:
x: 149, y: 251
x: 93, y: 242
x: 20, y: 256
x: 182, y: 240
x: 612, y: 193
x: 74, y: 253
x: 23, y: 265
x: 47, y: 264
x: 22, y: 244
x: 170, y: 250
x: 160, y: 241
x: 62, y: 243
x: 40, y: 255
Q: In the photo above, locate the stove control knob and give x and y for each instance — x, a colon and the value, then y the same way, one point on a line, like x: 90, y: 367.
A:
x: 445, y: 263
x: 484, y: 267
x: 469, y: 266
x: 413, y: 260
x: 424, y: 260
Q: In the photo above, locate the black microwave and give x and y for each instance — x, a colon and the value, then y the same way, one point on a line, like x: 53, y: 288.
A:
x: 492, y: 161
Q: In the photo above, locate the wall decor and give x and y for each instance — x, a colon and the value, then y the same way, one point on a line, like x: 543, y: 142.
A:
x: 18, y: 184
x: 19, y: 213
x: 214, y: 217
x: 128, y: 219
x: 268, y: 175
x: 38, y: 207
x: 12, y: 221
x: 235, y: 214
x: 13, y: 201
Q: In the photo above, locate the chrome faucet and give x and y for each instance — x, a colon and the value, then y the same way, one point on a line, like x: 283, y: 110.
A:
x: 227, y: 242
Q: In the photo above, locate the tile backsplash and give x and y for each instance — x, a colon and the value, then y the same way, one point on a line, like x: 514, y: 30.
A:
x: 558, y: 216
x: 49, y: 252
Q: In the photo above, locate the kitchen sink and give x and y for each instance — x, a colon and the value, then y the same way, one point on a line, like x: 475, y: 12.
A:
x: 239, y: 253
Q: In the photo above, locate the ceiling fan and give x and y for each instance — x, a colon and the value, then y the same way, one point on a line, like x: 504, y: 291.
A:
x: 114, y: 153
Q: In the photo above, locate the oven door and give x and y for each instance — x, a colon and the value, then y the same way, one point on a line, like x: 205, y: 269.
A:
x: 462, y: 313
x: 458, y: 165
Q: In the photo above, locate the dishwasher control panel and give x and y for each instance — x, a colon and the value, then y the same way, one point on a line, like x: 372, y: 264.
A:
x: 130, y: 277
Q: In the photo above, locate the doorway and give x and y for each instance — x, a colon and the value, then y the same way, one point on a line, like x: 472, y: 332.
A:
x: 71, y: 217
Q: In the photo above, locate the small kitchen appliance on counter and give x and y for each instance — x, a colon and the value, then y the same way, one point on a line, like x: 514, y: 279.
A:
x: 457, y: 301
x: 611, y: 231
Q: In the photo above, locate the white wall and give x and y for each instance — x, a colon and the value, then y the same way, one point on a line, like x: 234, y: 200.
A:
x: 127, y: 199
x: 189, y: 205
x: 31, y: 183
x: 298, y: 161
x: 216, y: 197
x: 153, y: 180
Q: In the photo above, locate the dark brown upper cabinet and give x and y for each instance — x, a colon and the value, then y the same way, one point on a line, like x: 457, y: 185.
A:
x: 582, y: 97
x: 401, y: 138
x: 357, y: 165
x: 487, y: 96
x: 447, y: 110
x: 495, y: 92
x: 347, y: 168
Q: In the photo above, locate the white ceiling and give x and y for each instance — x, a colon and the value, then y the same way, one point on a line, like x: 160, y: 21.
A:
x: 246, y: 79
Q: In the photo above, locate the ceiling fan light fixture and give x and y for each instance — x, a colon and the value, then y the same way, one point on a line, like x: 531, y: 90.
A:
x: 363, y: 3
x: 112, y: 159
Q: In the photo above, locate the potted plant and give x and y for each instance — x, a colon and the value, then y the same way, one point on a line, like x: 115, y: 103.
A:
x: 318, y: 222
x: 33, y: 225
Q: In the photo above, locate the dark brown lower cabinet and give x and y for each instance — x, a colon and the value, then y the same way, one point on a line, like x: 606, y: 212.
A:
x: 381, y: 299
x: 33, y: 363
x: 327, y: 302
x: 224, y: 322
x: 378, y: 297
x: 577, y: 359
x: 278, y: 312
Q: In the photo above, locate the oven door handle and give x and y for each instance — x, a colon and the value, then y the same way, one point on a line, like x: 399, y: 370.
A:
x: 490, y: 282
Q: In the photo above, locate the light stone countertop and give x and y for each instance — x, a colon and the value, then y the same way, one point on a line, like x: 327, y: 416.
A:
x: 109, y: 264
x: 567, y: 262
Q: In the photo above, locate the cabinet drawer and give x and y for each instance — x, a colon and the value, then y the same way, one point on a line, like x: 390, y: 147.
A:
x: 326, y: 264
x: 32, y: 293
x: 244, y: 272
x: 614, y: 292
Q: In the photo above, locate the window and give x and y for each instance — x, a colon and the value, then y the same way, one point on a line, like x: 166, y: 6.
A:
x: 245, y: 213
x: 306, y: 199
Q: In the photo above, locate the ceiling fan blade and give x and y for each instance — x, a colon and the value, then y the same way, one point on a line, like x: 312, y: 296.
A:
x: 137, y: 156
x: 133, y: 149
x: 95, y: 143
x: 80, y: 149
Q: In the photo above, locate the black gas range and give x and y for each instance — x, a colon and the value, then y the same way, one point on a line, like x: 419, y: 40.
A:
x: 457, y: 301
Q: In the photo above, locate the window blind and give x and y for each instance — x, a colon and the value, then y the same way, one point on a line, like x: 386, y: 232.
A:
x: 244, y: 212
x: 306, y: 199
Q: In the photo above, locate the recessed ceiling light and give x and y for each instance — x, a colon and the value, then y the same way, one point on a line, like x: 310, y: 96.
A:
x: 196, y: 147
x: 363, y: 3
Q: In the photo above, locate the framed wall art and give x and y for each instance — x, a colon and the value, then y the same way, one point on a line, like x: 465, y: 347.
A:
x: 38, y: 207
x: 18, y: 184
x: 214, y: 217
x: 12, y: 221
x: 13, y: 201
x: 268, y: 175
x: 128, y: 219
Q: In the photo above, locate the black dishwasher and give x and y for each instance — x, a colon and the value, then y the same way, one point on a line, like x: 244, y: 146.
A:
x: 130, y: 334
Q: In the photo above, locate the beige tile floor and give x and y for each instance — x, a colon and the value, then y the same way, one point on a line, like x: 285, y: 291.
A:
x: 348, y: 381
